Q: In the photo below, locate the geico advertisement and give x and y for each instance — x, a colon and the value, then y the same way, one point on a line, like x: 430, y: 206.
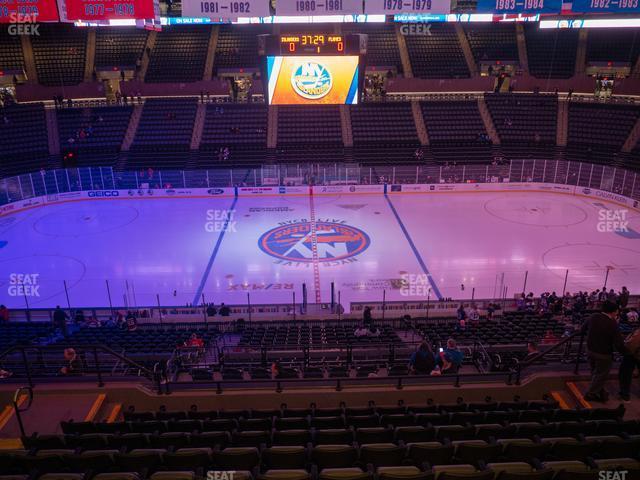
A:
x: 312, y: 80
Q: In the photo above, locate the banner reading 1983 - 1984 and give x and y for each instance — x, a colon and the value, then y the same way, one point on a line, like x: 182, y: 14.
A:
x: 391, y: 7
x: 225, y: 8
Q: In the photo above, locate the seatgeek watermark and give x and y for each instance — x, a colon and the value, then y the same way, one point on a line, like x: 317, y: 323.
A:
x: 415, y: 29
x: 20, y: 24
x: 220, y: 221
x: 221, y: 474
x: 613, y: 221
x: 24, y: 285
x: 612, y: 474
x: 414, y: 285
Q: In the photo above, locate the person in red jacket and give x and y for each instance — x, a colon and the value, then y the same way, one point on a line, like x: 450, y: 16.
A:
x: 4, y: 314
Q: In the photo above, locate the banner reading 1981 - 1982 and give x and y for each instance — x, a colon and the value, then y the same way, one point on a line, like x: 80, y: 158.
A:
x: 225, y: 8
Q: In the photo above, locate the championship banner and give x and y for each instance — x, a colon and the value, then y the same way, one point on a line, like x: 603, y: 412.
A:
x: 19, y: 11
x: 318, y: 7
x: 99, y: 10
x: 225, y: 8
x: 605, y: 6
x: 392, y: 7
x: 500, y: 7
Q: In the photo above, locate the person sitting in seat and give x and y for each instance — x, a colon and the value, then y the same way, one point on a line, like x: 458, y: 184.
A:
x: 532, y: 351
x: 450, y: 358
x: 422, y: 361
x: 361, y: 331
x: 194, y: 341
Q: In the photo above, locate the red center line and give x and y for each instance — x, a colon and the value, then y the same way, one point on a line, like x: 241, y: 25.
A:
x: 314, y: 250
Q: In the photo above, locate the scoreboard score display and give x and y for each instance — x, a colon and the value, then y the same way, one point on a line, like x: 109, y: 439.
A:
x: 312, y: 44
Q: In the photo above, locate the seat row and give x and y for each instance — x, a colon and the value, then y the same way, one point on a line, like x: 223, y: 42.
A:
x: 418, y: 461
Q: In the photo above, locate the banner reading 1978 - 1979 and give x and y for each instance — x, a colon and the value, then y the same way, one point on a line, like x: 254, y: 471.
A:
x: 391, y: 7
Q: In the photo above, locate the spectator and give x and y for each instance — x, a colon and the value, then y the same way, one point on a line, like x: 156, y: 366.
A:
x: 630, y: 360
x: 194, y: 341
x: 275, y: 369
x: 603, y: 337
x: 367, y: 318
x: 60, y: 318
x: 224, y: 310
x: 623, y: 298
x: 211, y: 310
x: 131, y: 322
x: 474, y: 315
x: 450, y: 358
x: 79, y: 318
x: 532, y: 351
x: 71, y: 358
x: 549, y: 337
x: 4, y: 314
x: 422, y: 361
x: 361, y: 331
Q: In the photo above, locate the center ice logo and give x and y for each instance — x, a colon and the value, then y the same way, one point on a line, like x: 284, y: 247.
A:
x: 294, y: 242
x: 311, y: 80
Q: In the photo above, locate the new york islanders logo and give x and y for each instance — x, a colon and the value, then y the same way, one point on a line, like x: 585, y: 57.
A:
x: 294, y: 242
x: 311, y: 80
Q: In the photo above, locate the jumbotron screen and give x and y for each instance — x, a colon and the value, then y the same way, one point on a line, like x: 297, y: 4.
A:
x: 312, y: 80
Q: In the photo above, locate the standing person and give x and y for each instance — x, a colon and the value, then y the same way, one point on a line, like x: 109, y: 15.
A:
x: 367, y: 318
x: 623, y: 298
x: 60, y: 318
x: 4, y: 314
x: 630, y: 361
x: 461, y: 313
x: 132, y: 322
x: 224, y: 310
x: 603, y: 337
x: 422, y: 361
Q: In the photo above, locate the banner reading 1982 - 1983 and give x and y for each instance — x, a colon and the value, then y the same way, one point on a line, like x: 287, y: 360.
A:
x: 225, y: 8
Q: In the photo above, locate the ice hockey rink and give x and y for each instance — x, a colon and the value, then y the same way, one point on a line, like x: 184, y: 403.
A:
x: 139, y: 251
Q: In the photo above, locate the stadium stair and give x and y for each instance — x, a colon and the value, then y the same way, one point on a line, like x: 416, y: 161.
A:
x: 421, y: 128
x: 146, y: 57
x: 211, y: 53
x: 198, y: 127
x: 53, y: 137
x: 272, y: 127
x: 562, y: 124
x: 488, y: 121
x: 89, y: 62
x: 522, y: 48
x: 29, y: 59
x: 131, y: 129
x: 345, y: 122
x: 48, y: 410
x: 404, y: 53
x: 466, y: 49
x: 581, y: 52
x: 632, y: 140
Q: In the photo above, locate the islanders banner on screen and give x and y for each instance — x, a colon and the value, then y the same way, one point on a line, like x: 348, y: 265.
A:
x: 312, y: 80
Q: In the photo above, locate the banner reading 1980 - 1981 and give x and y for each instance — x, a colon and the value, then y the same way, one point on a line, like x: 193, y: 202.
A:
x: 318, y: 7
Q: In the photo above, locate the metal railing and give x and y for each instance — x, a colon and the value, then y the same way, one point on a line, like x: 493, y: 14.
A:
x: 52, y: 182
x: 36, y: 363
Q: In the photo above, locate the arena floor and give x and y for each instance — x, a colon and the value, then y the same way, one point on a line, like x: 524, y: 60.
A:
x: 178, y: 249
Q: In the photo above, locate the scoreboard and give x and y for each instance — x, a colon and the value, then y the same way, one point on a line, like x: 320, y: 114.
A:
x: 312, y: 44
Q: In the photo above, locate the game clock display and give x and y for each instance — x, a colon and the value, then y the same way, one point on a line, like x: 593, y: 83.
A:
x: 312, y: 44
